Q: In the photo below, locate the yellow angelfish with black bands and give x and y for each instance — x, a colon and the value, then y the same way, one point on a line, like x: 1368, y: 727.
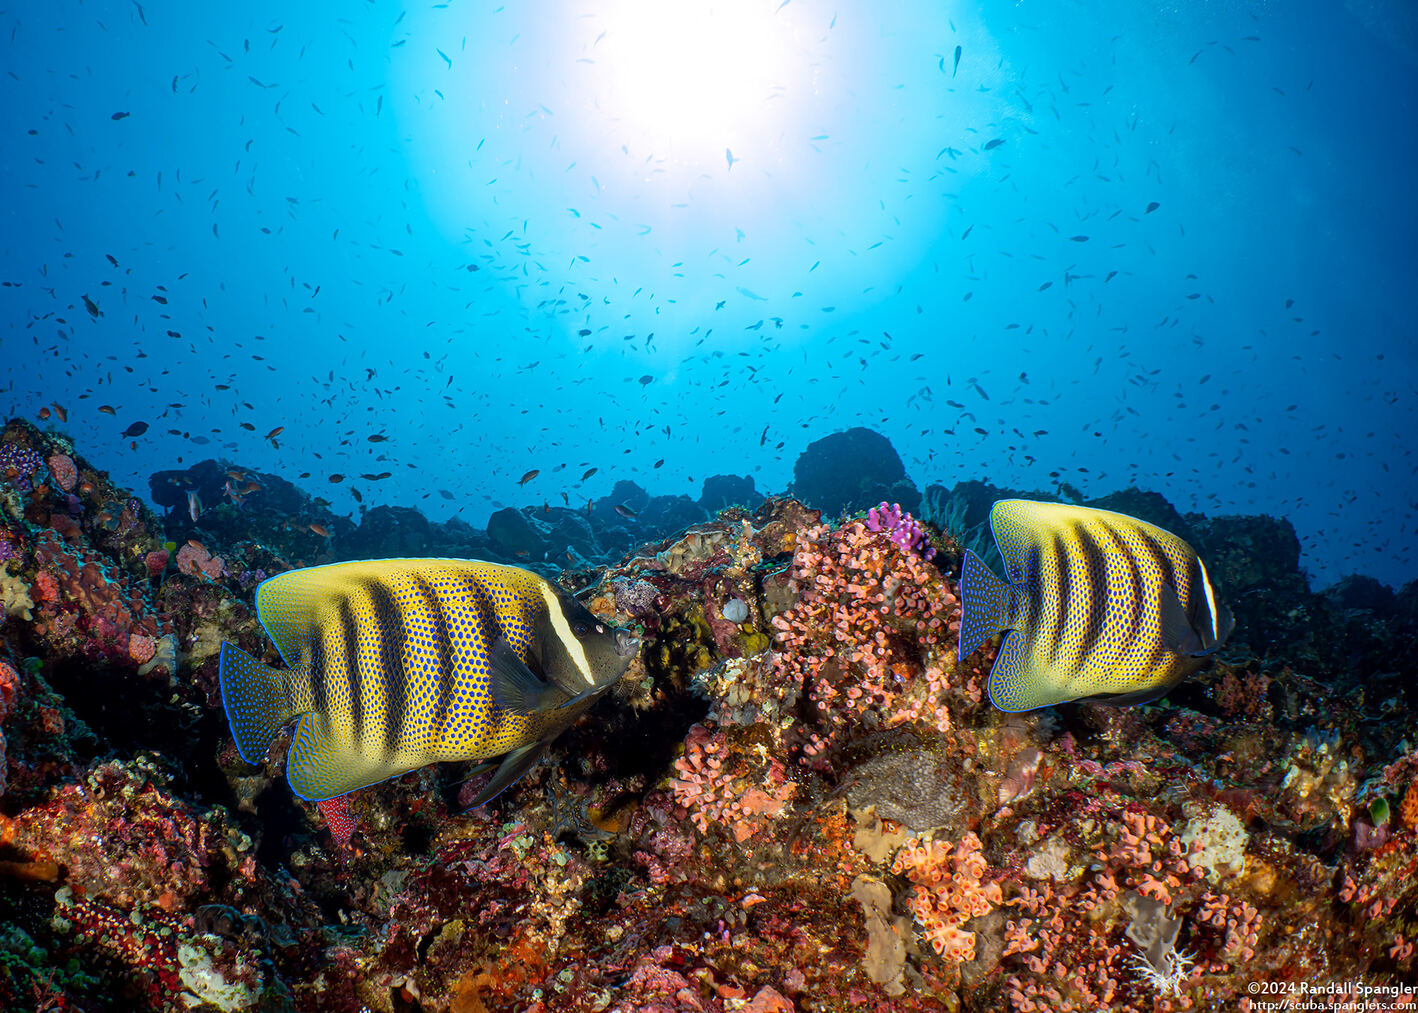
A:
x: 393, y: 664
x: 1099, y: 605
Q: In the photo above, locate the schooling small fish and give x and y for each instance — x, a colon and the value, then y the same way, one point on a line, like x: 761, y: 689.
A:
x: 394, y: 664
x: 1099, y: 605
x: 957, y: 63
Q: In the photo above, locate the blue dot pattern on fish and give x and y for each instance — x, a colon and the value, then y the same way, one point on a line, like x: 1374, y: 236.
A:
x: 1098, y: 605
x: 394, y: 664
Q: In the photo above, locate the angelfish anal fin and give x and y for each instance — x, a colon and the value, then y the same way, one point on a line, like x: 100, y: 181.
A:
x: 514, y: 767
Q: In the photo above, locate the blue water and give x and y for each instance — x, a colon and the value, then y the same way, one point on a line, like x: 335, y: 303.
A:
x: 558, y: 236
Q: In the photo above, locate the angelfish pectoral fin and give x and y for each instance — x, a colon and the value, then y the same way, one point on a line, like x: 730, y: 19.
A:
x: 1225, y: 624
x: 515, y: 687
x: 580, y: 697
x: 514, y: 767
x: 1177, y: 633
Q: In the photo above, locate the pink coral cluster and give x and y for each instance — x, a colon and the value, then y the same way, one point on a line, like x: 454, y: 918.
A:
x: 1372, y: 898
x: 1070, y: 967
x: 872, y: 636
x: 142, y: 647
x: 1239, y: 921
x: 86, y: 605
x: 156, y: 562
x: 948, y: 889
x: 123, y: 839
x: 1067, y: 965
x: 194, y: 559
x: 718, y: 786
x: 64, y: 471
x: 1151, y: 858
x: 9, y: 693
x: 10, y: 685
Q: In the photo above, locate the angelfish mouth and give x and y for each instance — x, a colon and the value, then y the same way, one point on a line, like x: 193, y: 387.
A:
x: 626, y: 643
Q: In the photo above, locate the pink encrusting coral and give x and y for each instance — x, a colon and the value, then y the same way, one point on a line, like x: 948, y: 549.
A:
x: 64, y: 471
x: 10, y: 685
x: 872, y: 637
x: 721, y: 788
x: 194, y: 559
x: 1063, y: 956
x: 949, y: 887
x: 85, y: 604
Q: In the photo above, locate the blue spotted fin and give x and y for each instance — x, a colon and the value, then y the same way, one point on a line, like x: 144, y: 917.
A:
x: 1099, y: 605
x: 989, y: 599
x: 258, y: 702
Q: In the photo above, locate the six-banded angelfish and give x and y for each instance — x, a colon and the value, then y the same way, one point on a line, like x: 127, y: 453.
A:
x: 1099, y: 605
x: 393, y: 664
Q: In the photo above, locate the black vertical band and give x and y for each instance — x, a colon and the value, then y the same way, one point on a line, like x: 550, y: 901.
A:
x: 353, y: 674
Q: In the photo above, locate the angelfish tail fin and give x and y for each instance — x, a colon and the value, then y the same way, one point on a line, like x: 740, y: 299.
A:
x: 257, y: 701
x: 983, y: 601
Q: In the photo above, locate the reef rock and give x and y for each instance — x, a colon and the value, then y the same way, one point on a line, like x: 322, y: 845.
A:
x: 853, y: 470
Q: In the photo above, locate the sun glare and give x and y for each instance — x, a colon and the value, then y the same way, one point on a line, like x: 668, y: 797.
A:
x: 690, y: 80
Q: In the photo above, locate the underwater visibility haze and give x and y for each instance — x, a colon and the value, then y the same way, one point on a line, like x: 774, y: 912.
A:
x: 911, y: 506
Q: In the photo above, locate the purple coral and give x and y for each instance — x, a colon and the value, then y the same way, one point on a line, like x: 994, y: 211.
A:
x: 635, y: 597
x: 901, y: 528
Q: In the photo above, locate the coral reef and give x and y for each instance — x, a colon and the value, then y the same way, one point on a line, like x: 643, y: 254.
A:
x: 797, y: 800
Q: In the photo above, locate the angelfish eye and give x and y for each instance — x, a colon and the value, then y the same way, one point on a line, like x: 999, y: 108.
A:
x: 579, y: 629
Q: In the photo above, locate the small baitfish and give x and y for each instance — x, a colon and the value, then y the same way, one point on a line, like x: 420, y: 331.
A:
x: 393, y: 664
x: 1099, y: 605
